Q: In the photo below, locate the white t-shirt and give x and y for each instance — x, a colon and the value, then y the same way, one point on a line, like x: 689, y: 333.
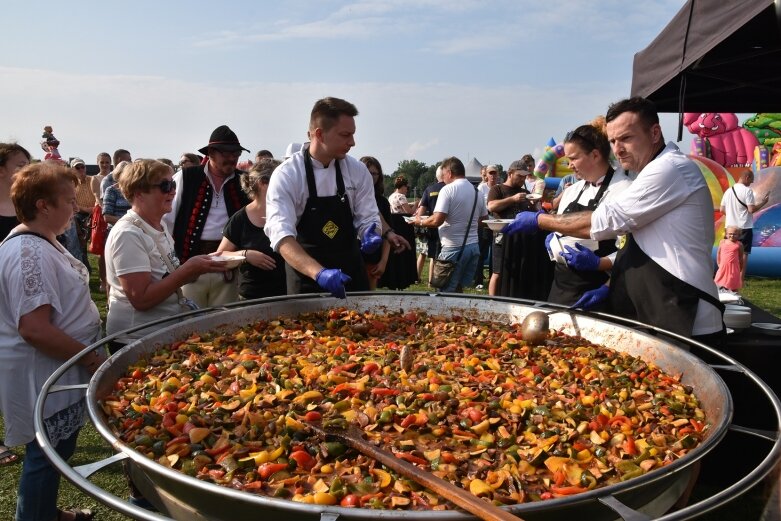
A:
x: 737, y: 214
x: 34, y: 273
x: 129, y: 249
x: 456, y: 199
x: 669, y: 211
x: 288, y: 192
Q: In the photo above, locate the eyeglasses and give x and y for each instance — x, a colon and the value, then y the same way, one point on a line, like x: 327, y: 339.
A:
x: 166, y: 186
x: 574, y: 133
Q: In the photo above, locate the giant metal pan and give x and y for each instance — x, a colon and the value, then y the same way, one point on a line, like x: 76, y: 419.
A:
x: 184, y: 497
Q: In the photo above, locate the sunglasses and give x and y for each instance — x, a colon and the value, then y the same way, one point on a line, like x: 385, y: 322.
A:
x: 79, y: 167
x: 167, y: 186
x: 575, y: 134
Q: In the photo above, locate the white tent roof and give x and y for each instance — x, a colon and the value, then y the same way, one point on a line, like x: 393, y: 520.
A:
x: 473, y: 167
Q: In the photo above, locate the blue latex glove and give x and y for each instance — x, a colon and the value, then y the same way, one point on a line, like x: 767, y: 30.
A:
x: 592, y: 298
x: 581, y: 259
x: 333, y: 281
x: 371, y: 240
x: 525, y: 222
x: 548, y: 239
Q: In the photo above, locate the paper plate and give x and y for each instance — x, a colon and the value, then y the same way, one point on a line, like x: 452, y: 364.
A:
x: 231, y: 260
x: 768, y: 328
x: 497, y: 224
x: 533, y: 197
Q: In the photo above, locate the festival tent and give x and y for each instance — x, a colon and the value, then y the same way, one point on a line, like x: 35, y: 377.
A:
x: 473, y: 167
x: 714, y: 56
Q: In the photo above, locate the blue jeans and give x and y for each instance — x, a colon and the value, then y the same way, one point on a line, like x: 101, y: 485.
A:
x: 464, y: 273
x: 40, y: 482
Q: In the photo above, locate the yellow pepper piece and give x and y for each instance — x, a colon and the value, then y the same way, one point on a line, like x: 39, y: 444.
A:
x: 478, y: 487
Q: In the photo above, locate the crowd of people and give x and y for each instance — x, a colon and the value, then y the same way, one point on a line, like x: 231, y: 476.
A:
x: 319, y: 221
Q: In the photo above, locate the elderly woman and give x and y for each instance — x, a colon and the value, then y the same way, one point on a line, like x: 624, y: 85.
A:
x: 142, y: 270
x: 263, y: 272
x: 47, y: 317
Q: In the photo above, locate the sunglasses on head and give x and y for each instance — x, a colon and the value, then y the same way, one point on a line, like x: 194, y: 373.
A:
x: 575, y: 134
x: 166, y: 186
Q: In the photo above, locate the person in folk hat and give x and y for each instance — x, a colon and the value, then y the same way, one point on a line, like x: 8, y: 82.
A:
x: 319, y: 203
x: 207, y: 196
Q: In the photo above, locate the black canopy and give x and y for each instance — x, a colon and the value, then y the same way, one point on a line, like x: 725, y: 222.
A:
x: 714, y: 56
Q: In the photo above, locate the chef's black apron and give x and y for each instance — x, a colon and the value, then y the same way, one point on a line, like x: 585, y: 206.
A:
x: 642, y: 290
x: 570, y: 284
x: 326, y: 233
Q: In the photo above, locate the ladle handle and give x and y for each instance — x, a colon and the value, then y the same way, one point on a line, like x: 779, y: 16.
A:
x: 446, y: 489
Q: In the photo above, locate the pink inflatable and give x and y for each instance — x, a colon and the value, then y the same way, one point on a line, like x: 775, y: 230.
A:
x: 724, y: 140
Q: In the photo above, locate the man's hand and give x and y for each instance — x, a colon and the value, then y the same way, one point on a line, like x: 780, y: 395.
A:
x: 525, y: 222
x: 333, y: 281
x: 581, y: 259
x: 592, y: 298
x: 371, y: 240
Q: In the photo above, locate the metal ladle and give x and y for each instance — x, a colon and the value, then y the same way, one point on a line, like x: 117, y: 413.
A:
x: 534, y: 327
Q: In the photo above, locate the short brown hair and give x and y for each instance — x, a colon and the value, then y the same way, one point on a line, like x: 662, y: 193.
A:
x: 39, y: 181
x: 9, y: 149
x: 327, y: 110
x: 141, y: 175
x: 400, y: 181
x: 455, y: 166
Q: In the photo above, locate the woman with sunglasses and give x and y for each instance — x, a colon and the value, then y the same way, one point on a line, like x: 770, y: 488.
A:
x: 263, y: 272
x: 584, y: 263
x: 142, y: 270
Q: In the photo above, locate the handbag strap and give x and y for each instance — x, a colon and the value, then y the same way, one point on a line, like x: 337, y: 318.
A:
x: 468, y: 226
x: 738, y: 198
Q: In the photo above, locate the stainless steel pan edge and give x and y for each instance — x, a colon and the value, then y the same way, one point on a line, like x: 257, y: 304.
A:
x: 708, y: 386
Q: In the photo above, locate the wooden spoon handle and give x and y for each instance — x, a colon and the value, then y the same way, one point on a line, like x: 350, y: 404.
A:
x: 459, y: 496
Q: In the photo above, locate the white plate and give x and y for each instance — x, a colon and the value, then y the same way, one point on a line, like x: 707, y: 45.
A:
x: 497, y: 224
x: 408, y: 219
x: 768, y: 328
x: 231, y: 260
x: 533, y: 197
x: 558, y: 243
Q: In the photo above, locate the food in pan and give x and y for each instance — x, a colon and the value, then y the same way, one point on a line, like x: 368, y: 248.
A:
x: 468, y: 400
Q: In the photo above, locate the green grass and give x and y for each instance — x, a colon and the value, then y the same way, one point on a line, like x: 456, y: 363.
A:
x: 764, y: 293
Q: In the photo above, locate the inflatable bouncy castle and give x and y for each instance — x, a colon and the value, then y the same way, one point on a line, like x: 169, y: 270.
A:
x: 721, y: 138
x: 553, y: 164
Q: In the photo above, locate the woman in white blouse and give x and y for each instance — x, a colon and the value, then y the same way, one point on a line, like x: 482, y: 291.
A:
x: 398, y: 199
x: 142, y: 270
x: 47, y: 317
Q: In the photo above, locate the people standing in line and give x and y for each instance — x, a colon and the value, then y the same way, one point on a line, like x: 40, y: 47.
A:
x: 739, y: 205
x: 262, y: 274
x: 729, y: 259
x: 207, y: 196
x: 484, y: 234
x: 104, y: 169
x: 319, y: 201
x: 454, y: 217
x: 663, y: 273
x: 398, y: 199
x: 114, y: 203
x: 142, y: 268
x: 85, y: 200
x: 505, y: 200
x: 119, y: 156
x: 584, y: 262
x: 377, y: 261
x: 47, y: 317
x: 426, y: 207
x: 13, y: 157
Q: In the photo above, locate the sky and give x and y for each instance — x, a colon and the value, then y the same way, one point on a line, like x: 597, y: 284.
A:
x: 484, y: 79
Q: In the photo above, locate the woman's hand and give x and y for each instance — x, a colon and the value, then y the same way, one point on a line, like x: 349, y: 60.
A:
x: 260, y: 260
x: 200, y: 264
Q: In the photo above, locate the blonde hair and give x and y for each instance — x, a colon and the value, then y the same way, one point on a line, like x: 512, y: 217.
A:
x: 141, y: 175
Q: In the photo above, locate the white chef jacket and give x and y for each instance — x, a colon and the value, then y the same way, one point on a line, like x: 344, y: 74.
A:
x: 288, y: 192
x: 669, y: 211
